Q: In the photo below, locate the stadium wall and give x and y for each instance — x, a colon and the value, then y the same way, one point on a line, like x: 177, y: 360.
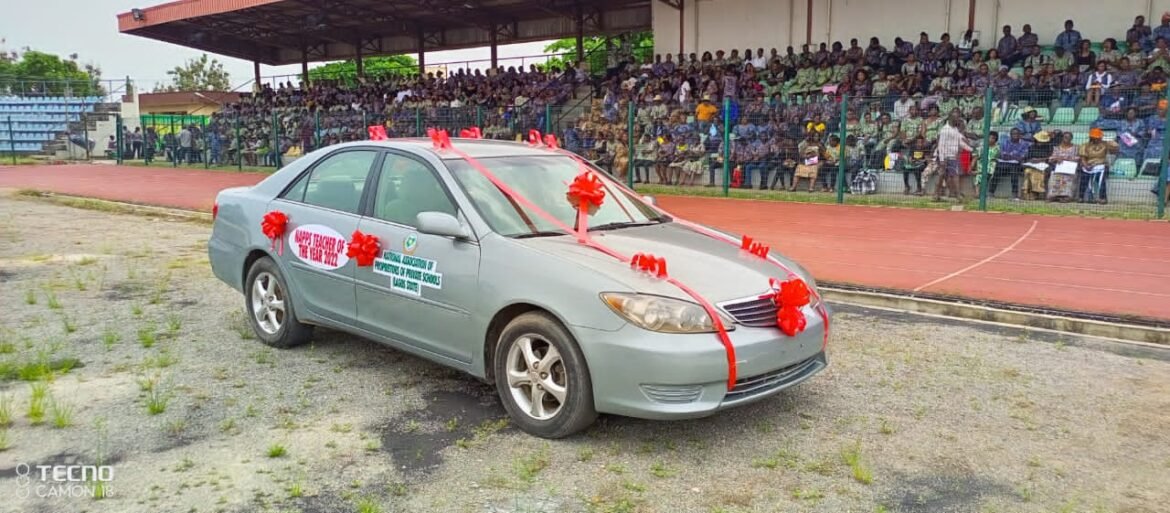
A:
x: 727, y: 24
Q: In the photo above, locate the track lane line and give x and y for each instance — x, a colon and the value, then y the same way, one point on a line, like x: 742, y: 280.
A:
x: 984, y: 261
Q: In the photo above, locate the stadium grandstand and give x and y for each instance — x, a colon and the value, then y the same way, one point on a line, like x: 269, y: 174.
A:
x: 1041, y: 103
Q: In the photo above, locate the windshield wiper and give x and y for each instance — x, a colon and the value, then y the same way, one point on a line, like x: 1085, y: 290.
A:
x: 530, y: 235
x: 626, y: 224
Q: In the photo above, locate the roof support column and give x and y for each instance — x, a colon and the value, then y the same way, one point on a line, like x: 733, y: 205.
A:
x: 422, y: 58
x: 304, y: 68
x: 580, y: 21
x: 256, y: 74
x: 357, y: 59
x: 495, y: 45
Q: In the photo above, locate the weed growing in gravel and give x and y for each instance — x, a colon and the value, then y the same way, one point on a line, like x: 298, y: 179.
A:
x: 4, y: 443
x: 110, y: 338
x: 412, y: 426
x: 5, y: 411
x: 277, y: 451
x: 162, y: 360
x: 156, y: 400
x: 176, y: 427
x: 885, y: 427
x: 160, y: 288
x: 68, y: 324
x: 661, y: 471
x: 38, y: 394
x: 296, y: 490
x: 368, y: 505
x: 528, y: 467
x: 136, y: 310
x: 147, y: 336
x: 174, y: 324
x: 228, y: 427
x: 264, y: 357
x: 146, y: 384
x: 585, y: 454
x: 616, y: 468
x: 7, y: 347
x: 51, y: 299
x: 807, y: 494
x: 240, y: 325
x: 373, y: 445
x: 62, y: 414
x: 851, y: 455
x: 30, y: 297
x: 452, y: 425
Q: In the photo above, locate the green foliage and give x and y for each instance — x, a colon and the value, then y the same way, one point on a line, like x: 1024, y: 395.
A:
x: 594, y: 49
x: 201, y: 74
x: 393, y: 65
x: 45, y: 73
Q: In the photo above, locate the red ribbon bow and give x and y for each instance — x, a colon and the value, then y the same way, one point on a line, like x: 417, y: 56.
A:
x: 439, y: 138
x: 790, y: 297
x: 471, y: 133
x: 649, y: 263
x: 756, y: 248
x: 550, y: 140
x: 534, y: 137
x: 273, y: 225
x: 377, y: 132
x: 363, y: 248
x: 585, y: 194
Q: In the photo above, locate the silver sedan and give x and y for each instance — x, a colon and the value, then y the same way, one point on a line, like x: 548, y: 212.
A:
x: 453, y: 269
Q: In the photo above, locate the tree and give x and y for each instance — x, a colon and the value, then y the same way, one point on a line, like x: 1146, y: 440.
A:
x: 393, y: 65
x: 594, y: 50
x: 31, y: 71
x: 201, y: 74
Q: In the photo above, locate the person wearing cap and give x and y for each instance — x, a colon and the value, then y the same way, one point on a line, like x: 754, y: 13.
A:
x: 1029, y: 124
x: 1036, y: 166
x: 705, y: 111
x: 1095, y: 167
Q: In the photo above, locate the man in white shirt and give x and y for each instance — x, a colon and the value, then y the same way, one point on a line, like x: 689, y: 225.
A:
x: 759, y: 62
x: 951, y: 142
x: 902, y: 106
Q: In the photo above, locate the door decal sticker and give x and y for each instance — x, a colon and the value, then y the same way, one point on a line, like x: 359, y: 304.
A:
x: 409, y: 274
x: 319, y: 246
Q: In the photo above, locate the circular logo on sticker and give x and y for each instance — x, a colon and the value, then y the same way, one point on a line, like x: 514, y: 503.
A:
x: 410, y: 243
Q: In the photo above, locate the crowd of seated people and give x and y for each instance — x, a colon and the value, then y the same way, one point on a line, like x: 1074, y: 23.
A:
x: 779, y: 105
x: 505, y: 102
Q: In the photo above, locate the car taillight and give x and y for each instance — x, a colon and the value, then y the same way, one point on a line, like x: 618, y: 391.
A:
x: 214, y: 210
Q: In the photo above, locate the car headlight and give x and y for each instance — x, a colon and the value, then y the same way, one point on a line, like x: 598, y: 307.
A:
x: 662, y: 314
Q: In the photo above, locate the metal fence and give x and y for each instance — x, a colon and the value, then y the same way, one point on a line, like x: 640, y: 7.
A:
x: 1024, y: 151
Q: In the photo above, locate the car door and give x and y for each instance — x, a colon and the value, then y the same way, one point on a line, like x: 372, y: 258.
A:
x: 414, y: 293
x: 323, y: 207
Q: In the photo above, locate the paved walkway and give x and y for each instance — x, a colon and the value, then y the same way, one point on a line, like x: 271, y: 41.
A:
x: 1093, y: 265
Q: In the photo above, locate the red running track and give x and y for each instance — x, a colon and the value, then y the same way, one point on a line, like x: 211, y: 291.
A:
x: 1114, y: 267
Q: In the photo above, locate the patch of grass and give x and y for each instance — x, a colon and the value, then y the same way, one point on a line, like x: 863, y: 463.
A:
x: 528, y: 467
x: 368, y: 505
x: 851, y: 455
x: 373, y: 445
x: 264, y: 357
x: 136, y: 310
x: 397, y: 489
x: 782, y: 458
x: 147, y: 335
x: 62, y: 414
x: 7, y: 347
x: 174, y: 324
x: 68, y: 324
x: 30, y: 297
x: 87, y: 261
x: 5, y: 411
x: 228, y: 426
x: 175, y: 427
x: 885, y: 428
x: 616, y: 468
x: 412, y: 426
x: 38, y: 396
x: 110, y: 338
x: 160, y: 288
x: 156, y: 400
x: 807, y: 494
x: 4, y: 443
x: 162, y: 360
x: 241, y: 326
x: 584, y: 454
x: 452, y: 425
x: 661, y: 470
x: 296, y: 490
x: 276, y: 451
x: 51, y: 300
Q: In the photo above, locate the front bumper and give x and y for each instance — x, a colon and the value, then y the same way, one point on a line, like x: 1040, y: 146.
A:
x: 639, y: 373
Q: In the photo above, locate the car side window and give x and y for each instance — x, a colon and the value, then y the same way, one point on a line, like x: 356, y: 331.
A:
x: 337, y: 182
x: 407, y: 187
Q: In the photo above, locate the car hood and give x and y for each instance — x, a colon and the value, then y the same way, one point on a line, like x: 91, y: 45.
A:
x: 715, y: 269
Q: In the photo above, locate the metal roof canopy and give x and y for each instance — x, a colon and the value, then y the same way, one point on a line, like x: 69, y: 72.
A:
x: 278, y: 32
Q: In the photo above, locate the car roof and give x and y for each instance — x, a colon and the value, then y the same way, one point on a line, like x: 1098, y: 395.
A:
x: 475, y: 148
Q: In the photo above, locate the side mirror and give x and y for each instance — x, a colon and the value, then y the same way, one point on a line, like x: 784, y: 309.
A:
x: 650, y: 200
x: 441, y: 224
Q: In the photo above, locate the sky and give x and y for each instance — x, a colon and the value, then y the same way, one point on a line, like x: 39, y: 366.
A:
x: 89, y: 28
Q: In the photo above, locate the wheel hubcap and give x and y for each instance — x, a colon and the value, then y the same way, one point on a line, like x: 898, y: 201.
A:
x: 536, y: 376
x: 268, y: 303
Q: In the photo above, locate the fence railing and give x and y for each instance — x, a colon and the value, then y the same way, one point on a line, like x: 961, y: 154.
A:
x: 1032, y: 152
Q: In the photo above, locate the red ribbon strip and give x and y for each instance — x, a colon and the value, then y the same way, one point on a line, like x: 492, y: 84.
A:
x: 716, y: 319
x: 756, y: 248
x: 550, y: 140
x: 440, y: 139
x: 377, y: 132
x: 273, y: 226
x: 363, y: 248
x: 649, y: 263
x: 534, y: 137
x: 471, y: 133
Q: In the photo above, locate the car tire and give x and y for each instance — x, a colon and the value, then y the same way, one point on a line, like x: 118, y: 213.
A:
x: 567, y: 374
x: 266, y: 290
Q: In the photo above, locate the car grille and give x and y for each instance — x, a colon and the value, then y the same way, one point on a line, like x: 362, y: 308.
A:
x: 768, y: 381
x: 754, y: 312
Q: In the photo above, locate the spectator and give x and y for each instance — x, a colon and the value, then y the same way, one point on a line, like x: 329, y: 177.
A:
x: 1008, y: 47
x: 1070, y: 39
x: 1012, y: 154
x: 1061, y: 186
x: 1139, y: 32
x: 1029, y: 124
x: 1084, y: 58
x: 186, y: 147
x: 951, y: 142
x: 914, y: 159
x: 1095, y: 167
x: 1028, y: 40
x: 1037, y: 164
x: 808, y: 166
x: 1098, y: 84
x: 1161, y: 31
x: 967, y: 45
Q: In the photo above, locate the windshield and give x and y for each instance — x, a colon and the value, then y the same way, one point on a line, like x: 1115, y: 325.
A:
x: 544, y: 181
